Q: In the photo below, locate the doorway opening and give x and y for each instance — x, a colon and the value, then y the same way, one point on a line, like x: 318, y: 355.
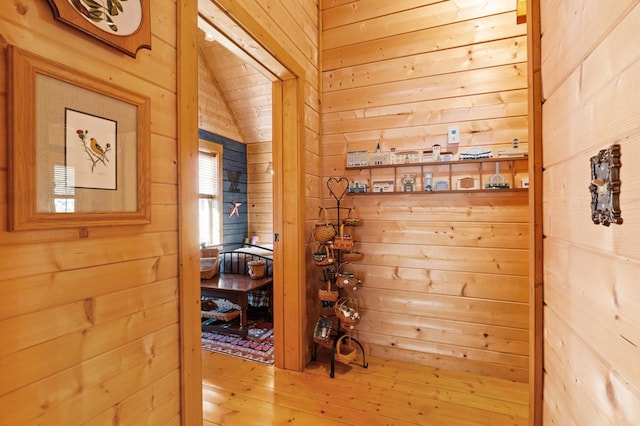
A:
x: 266, y: 163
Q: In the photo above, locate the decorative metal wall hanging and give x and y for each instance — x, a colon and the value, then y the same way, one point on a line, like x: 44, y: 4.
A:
x: 234, y: 179
x: 605, y: 186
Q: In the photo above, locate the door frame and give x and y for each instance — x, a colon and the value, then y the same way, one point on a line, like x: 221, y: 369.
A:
x: 536, y: 271
x: 289, y: 201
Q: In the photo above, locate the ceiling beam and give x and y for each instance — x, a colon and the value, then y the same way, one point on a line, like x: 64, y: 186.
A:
x: 212, y: 19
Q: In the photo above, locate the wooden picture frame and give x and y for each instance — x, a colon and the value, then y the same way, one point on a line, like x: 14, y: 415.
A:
x: 123, y: 25
x: 110, y: 133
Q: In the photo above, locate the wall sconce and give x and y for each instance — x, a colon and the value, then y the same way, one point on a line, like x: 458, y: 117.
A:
x: 605, y: 186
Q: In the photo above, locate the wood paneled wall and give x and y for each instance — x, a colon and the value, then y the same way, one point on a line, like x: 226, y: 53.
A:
x: 445, y: 275
x: 590, y: 80
x: 260, y: 191
x: 90, y: 325
x: 214, y: 114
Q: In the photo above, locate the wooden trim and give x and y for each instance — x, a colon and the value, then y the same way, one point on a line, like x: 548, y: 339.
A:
x: 189, y: 253
x: 288, y: 291
x: 278, y: 213
x: 521, y: 11
x: 535, y: 216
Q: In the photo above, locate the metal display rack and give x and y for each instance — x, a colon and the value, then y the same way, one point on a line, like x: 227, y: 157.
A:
x: 337, y: 335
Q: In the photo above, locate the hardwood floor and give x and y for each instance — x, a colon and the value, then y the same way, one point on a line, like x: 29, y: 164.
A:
x: 238, y: 392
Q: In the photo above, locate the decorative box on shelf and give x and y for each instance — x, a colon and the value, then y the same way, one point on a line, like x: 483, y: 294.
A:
x: 436, y: 154
x: 408, y: 181
x: 357, y: 187
x: 379, y: 158
x: 441, y: 185
x: 475, y: 154
x: 383, y: 186
x: 357, y: 159
x: 467, y: 183
x: 405, y: 157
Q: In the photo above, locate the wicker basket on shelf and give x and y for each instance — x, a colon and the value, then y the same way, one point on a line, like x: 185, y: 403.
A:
x: 209, y: 267
x: 209, y: 264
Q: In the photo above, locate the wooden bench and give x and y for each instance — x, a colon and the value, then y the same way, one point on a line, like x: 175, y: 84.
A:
x: 233, y: 283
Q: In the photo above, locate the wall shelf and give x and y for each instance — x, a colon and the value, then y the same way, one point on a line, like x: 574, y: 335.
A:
x: 503, y: 174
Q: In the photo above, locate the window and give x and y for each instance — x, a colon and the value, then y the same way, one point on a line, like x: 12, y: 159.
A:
x: 63, y: 189
x: 210, y: 199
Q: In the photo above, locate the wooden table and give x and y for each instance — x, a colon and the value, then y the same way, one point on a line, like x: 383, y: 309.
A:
x: 235, y: 288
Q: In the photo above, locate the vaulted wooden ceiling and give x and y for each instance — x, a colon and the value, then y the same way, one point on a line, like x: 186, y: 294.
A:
x: 247, y: 89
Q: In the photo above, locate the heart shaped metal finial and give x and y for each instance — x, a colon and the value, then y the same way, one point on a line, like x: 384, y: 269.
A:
x: 338, y: 187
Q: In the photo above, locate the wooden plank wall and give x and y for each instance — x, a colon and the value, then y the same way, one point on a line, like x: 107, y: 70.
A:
x: 214, y: 114
x: 260, y: 191
x: 445, y: 275
x: 590, y: 80
x: 90, y: 325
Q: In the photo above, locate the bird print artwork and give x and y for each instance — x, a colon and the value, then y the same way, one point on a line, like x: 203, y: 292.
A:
x: 96, y: 153
x: 99, y: 11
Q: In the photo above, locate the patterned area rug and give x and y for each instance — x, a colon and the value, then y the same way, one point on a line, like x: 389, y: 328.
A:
x: 257, y: 346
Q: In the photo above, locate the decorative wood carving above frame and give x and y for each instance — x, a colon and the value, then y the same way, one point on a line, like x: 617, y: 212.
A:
x: 605, y: 186
x: 123, y: 24
x: 78, y: 148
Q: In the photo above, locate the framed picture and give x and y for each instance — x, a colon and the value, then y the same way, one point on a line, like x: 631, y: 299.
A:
x: 123, y: 24
x: 78, y: 148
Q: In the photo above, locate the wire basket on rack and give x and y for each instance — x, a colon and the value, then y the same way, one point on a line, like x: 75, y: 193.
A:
x: 324, y: 230
x: 328, y: 295
x: 352, y: 256
x: 345, y: 351
x: 347, y: 280
x: 322, y: 332
x: 346, y: 310
x: 352, y: 218
x: 342, y: 241
x: 323, y: 255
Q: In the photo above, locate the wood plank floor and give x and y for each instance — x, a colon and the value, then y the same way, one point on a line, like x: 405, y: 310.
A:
x: 238, y: 392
